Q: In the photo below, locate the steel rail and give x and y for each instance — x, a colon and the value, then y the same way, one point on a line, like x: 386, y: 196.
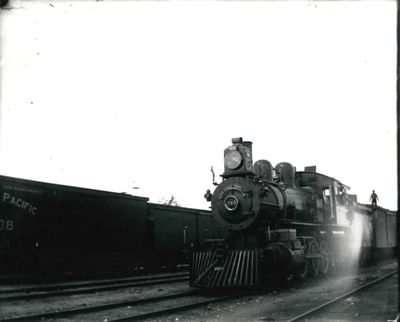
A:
x: 176, y: 309
x: 341, y: 297
x: 90, y: 289
x: 97, y: 308
x: 72, y: 284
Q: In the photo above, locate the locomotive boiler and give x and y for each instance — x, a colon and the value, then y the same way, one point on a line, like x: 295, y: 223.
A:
x: 281, y: 223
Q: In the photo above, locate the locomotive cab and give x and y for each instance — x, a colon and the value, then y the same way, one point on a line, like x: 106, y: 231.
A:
x: 334, y: 194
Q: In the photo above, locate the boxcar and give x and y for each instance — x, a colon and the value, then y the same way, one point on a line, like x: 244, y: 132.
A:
x: 385, y: 231
x: 177, y: 231
x: 61, y: 228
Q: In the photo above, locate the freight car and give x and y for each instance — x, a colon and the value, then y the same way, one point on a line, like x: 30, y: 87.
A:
x: 379, y: 233
x: 176, y: 231
x: 48, y: 229
x: 283, y: 223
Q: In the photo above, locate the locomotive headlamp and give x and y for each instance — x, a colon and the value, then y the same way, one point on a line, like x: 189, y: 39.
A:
x: 231, y: 203
x: 233, y: 160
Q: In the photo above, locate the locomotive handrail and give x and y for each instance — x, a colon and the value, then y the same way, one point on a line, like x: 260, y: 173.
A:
x: 299, y: 223
x: 230, y: 189
x: 268, y: 204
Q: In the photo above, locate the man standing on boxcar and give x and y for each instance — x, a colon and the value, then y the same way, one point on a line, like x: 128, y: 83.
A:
x: 374, y: 198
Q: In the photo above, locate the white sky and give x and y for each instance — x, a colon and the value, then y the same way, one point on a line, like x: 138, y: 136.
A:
x: 111, y: 95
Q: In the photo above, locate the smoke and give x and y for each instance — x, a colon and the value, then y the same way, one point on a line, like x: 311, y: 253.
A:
x: 360, y: 240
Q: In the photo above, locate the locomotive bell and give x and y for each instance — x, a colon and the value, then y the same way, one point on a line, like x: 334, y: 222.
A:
x: 238, y: 158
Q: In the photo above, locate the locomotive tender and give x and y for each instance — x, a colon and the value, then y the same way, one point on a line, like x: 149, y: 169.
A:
x: 283, y: 223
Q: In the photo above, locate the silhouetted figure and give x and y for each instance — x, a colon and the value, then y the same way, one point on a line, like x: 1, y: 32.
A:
x: 374, y: 198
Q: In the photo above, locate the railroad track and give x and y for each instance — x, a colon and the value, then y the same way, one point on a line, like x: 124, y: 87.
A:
x: 95, y: 308
x: 73, y: 288
x: 312, y: 312
x: 178, y: 308
x: 129, y: 310
x: 133, y: 309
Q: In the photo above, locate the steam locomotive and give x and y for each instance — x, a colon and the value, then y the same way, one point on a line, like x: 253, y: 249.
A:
x: 283, y: 223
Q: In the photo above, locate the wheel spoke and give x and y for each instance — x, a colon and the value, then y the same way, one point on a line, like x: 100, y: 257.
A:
x: 325, y: 262
x: 313, y: 263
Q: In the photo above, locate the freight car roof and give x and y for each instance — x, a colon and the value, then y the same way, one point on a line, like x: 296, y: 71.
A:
x: 19, y: 183
x: 181, y: 209
x: 370, y: 208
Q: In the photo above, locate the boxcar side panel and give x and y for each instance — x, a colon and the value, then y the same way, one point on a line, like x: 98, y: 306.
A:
x: 391, y: 229
x: 20, y: 209
x: 178, y: 230
x: 51, y: 227
x: 175, y: 229
x: 385, y: 228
